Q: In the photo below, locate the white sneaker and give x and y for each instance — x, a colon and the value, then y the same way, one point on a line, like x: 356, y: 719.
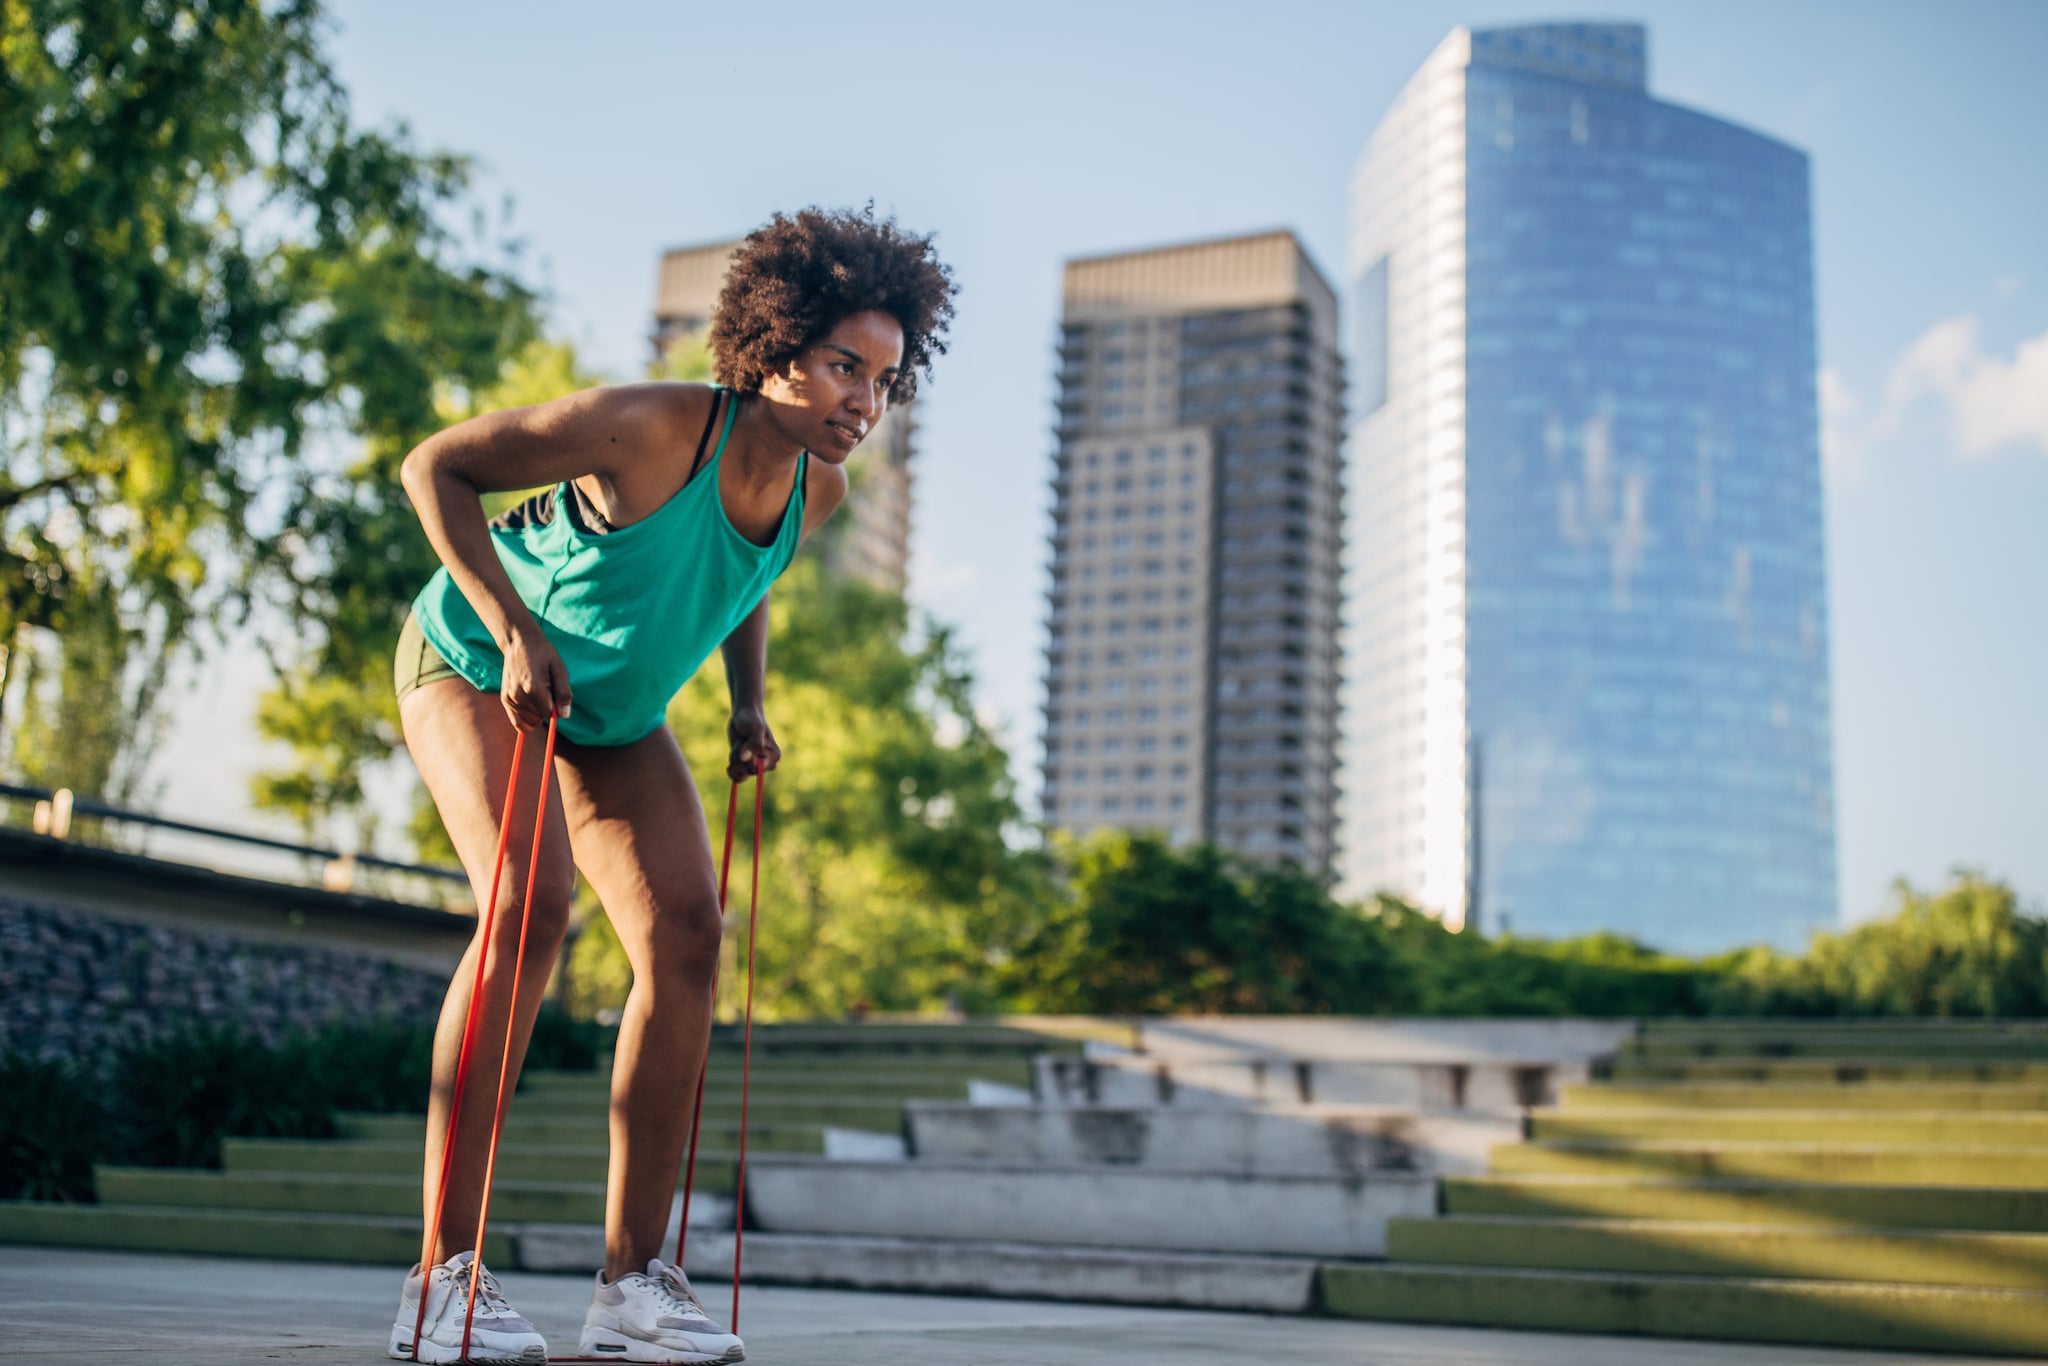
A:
x: 497, y: 1333
x: 654, y: 1317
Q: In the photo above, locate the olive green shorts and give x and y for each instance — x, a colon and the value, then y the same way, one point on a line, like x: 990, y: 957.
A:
x: 417, y: 661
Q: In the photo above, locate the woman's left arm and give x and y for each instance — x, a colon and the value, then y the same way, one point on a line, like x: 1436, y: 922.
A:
x: 746, y: 676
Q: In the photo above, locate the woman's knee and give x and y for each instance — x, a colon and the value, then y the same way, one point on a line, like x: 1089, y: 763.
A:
x: 681, y: 940
x: 546, y: 911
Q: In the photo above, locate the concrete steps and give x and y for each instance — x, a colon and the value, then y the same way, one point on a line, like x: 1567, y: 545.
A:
x: 1818, y: 1162
x: 516, y: 1161
x: 877, y: 1112
x: 1272, y: 1285
x: 1931, y: 1040
x: 1322, y: 1141
x: 1825, y: 1071
x: 1145, y: 1080
x: 900, y: 1042
x: 512, y: 1199
x: 1664, y: 1248
x: 1917, y: 1128
x: 1886, y: 1316
x: 1749, y: 1202
x: 1949, y: 1097
x: 1881, y: 1186
x: 209, y: 1230
x: 783, y: 1082
x: 590, y: 1132
x: 1122, y: 1208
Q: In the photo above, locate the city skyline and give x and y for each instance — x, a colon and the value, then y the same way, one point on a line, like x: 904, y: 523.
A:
x: 1932, y: 288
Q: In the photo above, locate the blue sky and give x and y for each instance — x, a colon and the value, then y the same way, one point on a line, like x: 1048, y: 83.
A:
x: 1032, y: 133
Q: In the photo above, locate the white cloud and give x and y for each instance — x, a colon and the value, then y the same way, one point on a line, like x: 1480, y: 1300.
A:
x: 1992, y: 402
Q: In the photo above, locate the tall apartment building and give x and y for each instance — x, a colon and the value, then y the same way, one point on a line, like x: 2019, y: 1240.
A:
x: 870, y: 536
x: 1191, y: 675
x: 1586, y: 635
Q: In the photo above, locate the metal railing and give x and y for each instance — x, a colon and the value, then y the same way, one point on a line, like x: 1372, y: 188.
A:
x: 55, y: 810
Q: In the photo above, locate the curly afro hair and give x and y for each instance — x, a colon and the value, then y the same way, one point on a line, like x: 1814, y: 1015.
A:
x: 796, y: 279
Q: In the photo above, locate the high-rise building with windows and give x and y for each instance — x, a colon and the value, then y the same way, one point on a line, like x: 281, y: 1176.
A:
x: 1191, y: 675
x: 870, y: 536
x: 1586, y: 633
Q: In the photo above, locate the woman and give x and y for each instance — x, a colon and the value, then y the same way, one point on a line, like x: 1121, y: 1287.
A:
x: 670, y: 509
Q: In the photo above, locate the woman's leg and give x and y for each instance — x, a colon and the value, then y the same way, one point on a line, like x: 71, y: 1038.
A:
x: 637, y: 827
x: 462, y: 743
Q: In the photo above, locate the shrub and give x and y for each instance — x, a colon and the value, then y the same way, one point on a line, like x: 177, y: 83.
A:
x: 560, y: 1042
x: 52, y: 1129
x: 180, y: 1093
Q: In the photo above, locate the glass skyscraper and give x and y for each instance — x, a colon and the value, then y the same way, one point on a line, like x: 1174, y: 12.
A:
x: 1586, y: 631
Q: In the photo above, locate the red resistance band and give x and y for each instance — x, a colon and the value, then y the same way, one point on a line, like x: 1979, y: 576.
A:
x: 469, y: 1030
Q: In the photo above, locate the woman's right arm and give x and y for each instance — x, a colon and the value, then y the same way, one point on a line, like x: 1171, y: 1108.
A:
x: 598, y: 431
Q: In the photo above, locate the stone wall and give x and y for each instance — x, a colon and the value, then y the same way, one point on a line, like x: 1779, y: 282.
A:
x: 74, y: 985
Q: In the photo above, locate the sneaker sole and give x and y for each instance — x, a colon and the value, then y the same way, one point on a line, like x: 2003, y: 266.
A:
x: 400, y: 1349
x: 614, y: 1346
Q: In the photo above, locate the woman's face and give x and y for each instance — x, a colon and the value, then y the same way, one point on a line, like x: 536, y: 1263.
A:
x: 833, y: 392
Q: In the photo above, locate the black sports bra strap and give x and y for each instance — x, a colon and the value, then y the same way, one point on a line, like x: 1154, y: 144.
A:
x: 717, y: 398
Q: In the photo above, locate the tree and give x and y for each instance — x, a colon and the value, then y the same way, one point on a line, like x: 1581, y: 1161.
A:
x: 90, y: 714
x: 1148, y: 929
x: 896, y: 870
x: 210, y: 281
x: 1966, y: 951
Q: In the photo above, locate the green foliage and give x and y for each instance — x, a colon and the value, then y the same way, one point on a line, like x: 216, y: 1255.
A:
x: 1150, y: 930
x: 687, y: 358
x: 91, y: 698
x: 52, y: 1127
x: 210, y: 280
x: 560, y: 1043
x: 183, y: 1092
x: 1144, y: 929
x: 1965, y: 951
x: 891, y: 874
x: 171, y: 1100
x: 378, y: 1067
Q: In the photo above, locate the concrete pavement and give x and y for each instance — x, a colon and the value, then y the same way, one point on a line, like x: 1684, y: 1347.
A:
x: 69, y: 1307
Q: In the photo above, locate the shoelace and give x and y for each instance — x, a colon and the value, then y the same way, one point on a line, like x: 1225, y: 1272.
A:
x: 676, y: 1294
x: 490, y: 1296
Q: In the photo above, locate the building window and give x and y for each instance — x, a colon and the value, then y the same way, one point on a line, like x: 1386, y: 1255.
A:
x: 1370, y: 371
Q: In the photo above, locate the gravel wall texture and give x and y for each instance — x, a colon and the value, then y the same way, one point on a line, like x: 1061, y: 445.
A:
x: 73, y: 985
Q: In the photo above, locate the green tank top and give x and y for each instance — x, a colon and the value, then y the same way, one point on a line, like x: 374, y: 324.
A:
x: 633, y: 611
